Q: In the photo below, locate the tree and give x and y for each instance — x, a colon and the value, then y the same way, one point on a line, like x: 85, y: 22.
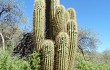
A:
x: 106, y: 56
x: 11, y: 12
x: 11, y: 15
x: 25, y: 46
x: 88, y: 41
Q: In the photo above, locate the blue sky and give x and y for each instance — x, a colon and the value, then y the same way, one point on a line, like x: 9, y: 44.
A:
x: 91, y: 14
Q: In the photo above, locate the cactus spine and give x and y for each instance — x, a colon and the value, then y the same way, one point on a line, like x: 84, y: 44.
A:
x: 72, y: 31
x: 48, y: 55
x: 39, y: 23
x: 58, y: 25
x: 61, y: 49
x: 72, y: 13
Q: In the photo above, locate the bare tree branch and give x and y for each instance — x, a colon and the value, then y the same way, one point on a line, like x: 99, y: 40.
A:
x: 3, y: 41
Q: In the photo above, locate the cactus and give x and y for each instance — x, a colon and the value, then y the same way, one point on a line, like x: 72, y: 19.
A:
x: 58, y: 25
x: 48, y: 55
x: 72, y: 31
x: 39, y: 23
x: 72, y: 13
x: 76, y: 38
x: 54, y: 3
x: 67, y: 17
x: 50, y: 14
x: 61, y: 49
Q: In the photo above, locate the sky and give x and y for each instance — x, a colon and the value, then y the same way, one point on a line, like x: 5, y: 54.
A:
x: 91, y: 14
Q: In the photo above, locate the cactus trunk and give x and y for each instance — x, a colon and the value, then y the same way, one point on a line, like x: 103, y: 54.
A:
x: 39, y: 23
x: 61, y: 49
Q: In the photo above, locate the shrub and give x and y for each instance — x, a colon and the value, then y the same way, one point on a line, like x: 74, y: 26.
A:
x: 88, y: 65
x: 34, y: 61
x: 10, y: 62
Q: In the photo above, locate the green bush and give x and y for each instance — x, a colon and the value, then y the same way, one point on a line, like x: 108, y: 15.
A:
x: 10, y: 62
x: 88, y: 65
x: 34, y: 61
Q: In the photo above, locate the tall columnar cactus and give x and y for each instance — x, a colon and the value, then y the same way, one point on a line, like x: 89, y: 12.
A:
x: 72, y: 31
x: 72, y: 13
x: 39, y: 23
x: 48, y: 55
x: 50, y: 14
x: 61, y: 49
x: 59, y: 20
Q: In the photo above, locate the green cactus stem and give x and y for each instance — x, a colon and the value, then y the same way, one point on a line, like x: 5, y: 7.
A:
x: 72, y: 13
x: 54, y: 3
x: 48, y: 55
x: 67, y: 17
x: 50, y: 14
x: 61, y: 49
x: 59, y: 20
x: 72, y: 32
x: 39, y: 23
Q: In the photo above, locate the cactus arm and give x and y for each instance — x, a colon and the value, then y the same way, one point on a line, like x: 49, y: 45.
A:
x: 72, y: 31
x: 72, y: 13
x: 48, y: 55
x: 58, y: 25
